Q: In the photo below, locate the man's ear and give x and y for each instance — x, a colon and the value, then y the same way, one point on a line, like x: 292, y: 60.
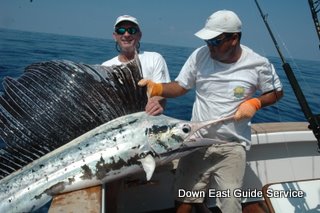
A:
x: 114, y: 36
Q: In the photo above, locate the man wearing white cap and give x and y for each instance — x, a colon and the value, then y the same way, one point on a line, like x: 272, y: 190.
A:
x: 225, y: 75
x: 127, y: 35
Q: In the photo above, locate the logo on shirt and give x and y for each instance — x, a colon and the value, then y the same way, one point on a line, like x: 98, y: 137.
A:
x: 238, y: 92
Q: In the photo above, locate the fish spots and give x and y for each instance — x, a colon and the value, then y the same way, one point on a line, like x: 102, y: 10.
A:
x: 53, y: 190
x: 177, y: 138
x: 134, y: 160
x: 136, y: 147
x: 71, y: 180
x: 120, y: 127
x: 103, y: 169
x: 162, y: 144
x: 155, y: 129
x: 162, y: 134
x: 80, y: 147
x: 86, y: 172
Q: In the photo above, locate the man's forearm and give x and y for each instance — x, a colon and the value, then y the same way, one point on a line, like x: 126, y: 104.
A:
x: 172, y: 89
x: 270, y: 98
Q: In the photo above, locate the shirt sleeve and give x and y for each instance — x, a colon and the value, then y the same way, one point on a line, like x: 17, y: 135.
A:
x: 187, y: 75
x: 160, y: 70
x: 268, y: 78
x: 154, y: 67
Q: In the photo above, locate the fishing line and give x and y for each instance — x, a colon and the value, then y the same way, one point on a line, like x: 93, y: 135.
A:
x: 259, y: 43
x: 314, y: 120
x: 136, y: 59
x: 295, y: 86
x: 301, y: 75
x: 298, y: 71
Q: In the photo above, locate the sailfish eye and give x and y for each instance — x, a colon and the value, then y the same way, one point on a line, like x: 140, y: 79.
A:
x: 186, y: 128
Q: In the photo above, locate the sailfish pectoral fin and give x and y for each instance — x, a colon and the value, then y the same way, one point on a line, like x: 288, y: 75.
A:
x: 149, y: 165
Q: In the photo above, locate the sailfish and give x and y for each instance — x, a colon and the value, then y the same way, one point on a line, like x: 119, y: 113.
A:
x: 68, y: 126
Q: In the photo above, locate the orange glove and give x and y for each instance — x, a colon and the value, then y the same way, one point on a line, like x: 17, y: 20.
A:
x: 153, y: 89
x: 247, y: 109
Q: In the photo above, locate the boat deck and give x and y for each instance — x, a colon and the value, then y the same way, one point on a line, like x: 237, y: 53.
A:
x: 259, y: 128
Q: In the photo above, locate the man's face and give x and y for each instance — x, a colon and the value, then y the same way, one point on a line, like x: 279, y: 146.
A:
x: 127, y: 34
x: 221, y: 47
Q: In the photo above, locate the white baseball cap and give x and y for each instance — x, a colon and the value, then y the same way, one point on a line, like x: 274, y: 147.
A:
x: 126, y: 18
x: 222, y: 21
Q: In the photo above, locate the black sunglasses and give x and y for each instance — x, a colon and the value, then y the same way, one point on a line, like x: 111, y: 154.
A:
x: 130, y: 30
x: 217, y: 41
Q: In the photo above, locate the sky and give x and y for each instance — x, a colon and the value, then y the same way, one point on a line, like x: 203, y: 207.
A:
x: 171, y: 22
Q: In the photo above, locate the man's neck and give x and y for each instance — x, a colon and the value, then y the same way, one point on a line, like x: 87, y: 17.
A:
x: 234, y: 55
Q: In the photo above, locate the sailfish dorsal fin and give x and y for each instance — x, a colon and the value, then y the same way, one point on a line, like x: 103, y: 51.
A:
x: 53, y: 102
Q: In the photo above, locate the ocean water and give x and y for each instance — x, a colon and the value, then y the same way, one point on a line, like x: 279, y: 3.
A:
x: 19, y: 49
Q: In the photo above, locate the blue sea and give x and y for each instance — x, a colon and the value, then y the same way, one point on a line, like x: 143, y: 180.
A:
x: 19, y: 49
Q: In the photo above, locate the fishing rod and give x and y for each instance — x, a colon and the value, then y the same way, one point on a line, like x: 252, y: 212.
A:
x: 311, y: 118
x: 314, y: 6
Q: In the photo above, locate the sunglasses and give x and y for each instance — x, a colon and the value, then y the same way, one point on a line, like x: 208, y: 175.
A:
x: 217, y: 41
x: 130, y: 30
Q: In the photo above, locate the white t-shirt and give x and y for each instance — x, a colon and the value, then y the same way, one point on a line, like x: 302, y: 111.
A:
x: 220, y: 88
x: 153, y: 65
